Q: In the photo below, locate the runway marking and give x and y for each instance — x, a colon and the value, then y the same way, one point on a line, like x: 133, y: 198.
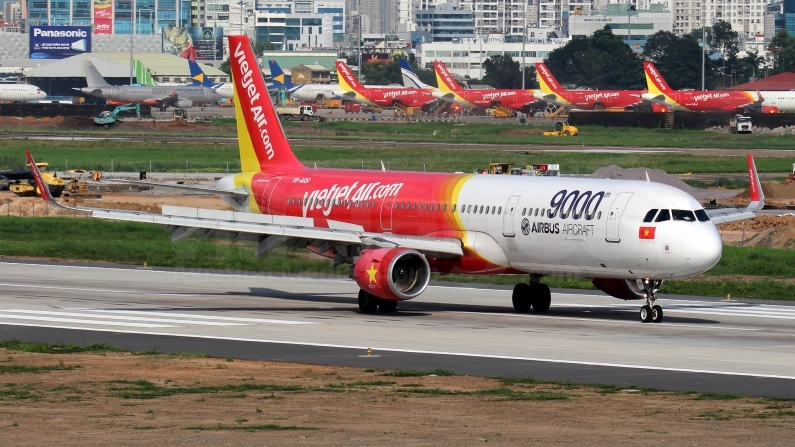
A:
x: 207, y: 317
x: 723, y: 309
x: 121, y: 317
x: 75, y: 320
x: 82, y: 289
x: 597, y: 320
x: 446, y: 353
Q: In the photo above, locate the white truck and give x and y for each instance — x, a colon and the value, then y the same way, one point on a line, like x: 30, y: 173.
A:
x: 740, y: 124
x: 303, y: 113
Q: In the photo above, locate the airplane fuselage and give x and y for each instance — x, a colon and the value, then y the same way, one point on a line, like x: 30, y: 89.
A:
x: 20, y: 92
x: 185, y: 96
x: 595, y: 99
x: 705, y: 101
x: 508, y: 224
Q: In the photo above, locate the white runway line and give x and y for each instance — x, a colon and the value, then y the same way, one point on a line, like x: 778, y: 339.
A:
x: 79, y: 321
x: 83, y: 289
x: 122, y: 317
x: 722, y: 309
x: 208, y: 317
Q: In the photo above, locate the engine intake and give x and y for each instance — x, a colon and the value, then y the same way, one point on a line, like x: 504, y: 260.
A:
x: 394, y: 274
x: 183, y: 103
x: 625, y: 289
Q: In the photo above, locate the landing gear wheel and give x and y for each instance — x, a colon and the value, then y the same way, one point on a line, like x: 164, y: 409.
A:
x: 521, y: 297
x: 645, y: 314
x: 542, y: 298
x: 387, y: 306
x: 368, y: 303
x: 656, y: 314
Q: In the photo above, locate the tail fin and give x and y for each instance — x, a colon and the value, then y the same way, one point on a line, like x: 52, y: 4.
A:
x: 755, y: 187
x: 348, y: 81
x: 654, y: 80
x: 280, y: 79
x: 263, y: 144
x: 410, y: 78
x: 142, y: 74
x: 198, y: 76
x: 447, y: 84
x: 93, y: 78
x: 546, y: 81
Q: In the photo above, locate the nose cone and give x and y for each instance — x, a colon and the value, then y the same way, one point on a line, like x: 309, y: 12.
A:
x: 703, y: 248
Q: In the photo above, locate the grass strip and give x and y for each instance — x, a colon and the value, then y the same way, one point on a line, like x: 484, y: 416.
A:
x: 144, y: 389
x: 23, y: 369
x: 415, y: 373
x: 58, y: 348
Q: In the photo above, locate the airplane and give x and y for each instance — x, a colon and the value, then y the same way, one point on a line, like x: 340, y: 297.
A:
x: 700, y: 101
x: 551, y: 91
x: 224, y: 89
x: 352, y: 90
x: 410, y: 78
x: 162, y: 97
x: 451, y: 91
x: 394, y: 228
x: 302, y: 92
x: 20, y: 92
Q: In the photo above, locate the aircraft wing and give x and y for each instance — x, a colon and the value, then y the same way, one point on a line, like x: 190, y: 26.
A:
x: 726, y: 215
x: 268, y: 231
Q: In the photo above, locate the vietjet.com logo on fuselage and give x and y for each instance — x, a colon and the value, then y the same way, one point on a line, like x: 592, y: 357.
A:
x: 246, y: 76
x: 397, y: 93
x: 498, y: 95
x: 347, y: 195
x: 598, y: 96
x: 708, y: 96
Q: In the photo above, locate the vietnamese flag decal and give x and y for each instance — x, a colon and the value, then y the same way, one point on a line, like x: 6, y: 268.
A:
x: 646, y: 232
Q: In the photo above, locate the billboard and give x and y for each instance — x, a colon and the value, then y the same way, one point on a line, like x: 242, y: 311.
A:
x: 58, y: 42
x: 194, y: 43
x: 103, y: 17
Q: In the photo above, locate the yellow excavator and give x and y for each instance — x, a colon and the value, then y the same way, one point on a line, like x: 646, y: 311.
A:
x: 27, y: 187
x: 562, y: 129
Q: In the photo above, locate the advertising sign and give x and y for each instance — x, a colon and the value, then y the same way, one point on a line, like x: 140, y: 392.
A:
x: 194, y: 43
x: 103, y: 17
x: 58, y: 42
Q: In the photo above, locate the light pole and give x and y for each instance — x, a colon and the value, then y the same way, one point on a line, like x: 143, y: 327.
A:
x: 703, y: 42
x: 241, y: 3
x: 524, y: 39
x: 359, y: 21
x: 132, y: 40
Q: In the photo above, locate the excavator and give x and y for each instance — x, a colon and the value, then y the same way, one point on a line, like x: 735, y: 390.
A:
x: 107, y: 118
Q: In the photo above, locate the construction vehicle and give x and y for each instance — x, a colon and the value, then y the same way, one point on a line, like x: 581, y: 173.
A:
x: 791, y: 177
x: 107, y: 118
x: 27, y: 187
x: 303, y: 113
x: 180, y: 115
x: 562, y: 128
x: 740, y: 124
x: 500, y: 168
x: 555, y: 111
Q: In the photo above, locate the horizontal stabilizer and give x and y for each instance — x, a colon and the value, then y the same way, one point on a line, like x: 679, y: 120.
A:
x: 207, y: 190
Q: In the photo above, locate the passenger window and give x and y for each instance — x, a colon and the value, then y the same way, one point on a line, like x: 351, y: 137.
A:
x: 663, y: 216
x: 650, y: 215
x: 702, y: 216
x: 469, y: 209
x: 524, y: 210
x: 481, y: 209
x: 413, y: 206
x: 536, y: 212
x: 493, y: 210
x: 599, y: 215
x: 685, y: 215
x: 444, y: 208
x: 499, y: 211
x: 454, y: 207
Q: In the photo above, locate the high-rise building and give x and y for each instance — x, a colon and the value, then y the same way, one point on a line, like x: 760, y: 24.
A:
x: 443, y: 23
x: 747, y: 17
x: 12, y: 12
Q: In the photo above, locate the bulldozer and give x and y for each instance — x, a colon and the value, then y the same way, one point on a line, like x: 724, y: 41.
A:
x: 562, y: 128
x: 27, y: 187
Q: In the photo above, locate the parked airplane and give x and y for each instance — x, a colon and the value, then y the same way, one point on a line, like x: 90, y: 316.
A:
x: 552, y: 91
x: 20, y: 92
x: 395, y: 228
x: 699, y: 101
x: 451, y: 91
x: 162, y: 97
x: 302, y: 92
x: 380, y: 96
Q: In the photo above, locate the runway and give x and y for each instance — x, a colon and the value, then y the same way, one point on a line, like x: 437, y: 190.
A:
x: 704, y: 344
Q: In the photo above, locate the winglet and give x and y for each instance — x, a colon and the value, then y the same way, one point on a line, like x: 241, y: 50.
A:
x: 755, y: 187
x: 44, y: 190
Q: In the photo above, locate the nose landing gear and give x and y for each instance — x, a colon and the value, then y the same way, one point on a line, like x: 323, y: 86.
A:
x: 651, y: 312
x: 535, y: 295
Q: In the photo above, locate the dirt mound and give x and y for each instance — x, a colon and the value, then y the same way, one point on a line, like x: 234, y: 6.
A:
x: 775, y: 191
x: 764, y: 231
x: 526, y: 131
x: 761, y: 223
x: 660, y: 176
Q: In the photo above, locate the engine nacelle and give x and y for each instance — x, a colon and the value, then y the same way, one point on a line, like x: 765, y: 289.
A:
x: 659, y: 108
x: 183, y: 103
x: 394, y: 274
x: 625, y: 289
x: 770, y: 109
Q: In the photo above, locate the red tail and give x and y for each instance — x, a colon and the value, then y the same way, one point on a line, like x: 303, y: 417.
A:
x: 346, y: 78
x: 546, y: 80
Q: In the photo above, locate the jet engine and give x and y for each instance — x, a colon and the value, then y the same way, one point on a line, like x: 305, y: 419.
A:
x: 770, y: 109
x: 393, y: 274
x: 183, y: 103
x: 659, y: 108
x: 625, y: 289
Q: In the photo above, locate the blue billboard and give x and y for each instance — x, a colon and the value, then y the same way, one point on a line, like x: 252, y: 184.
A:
x: 58, y: 42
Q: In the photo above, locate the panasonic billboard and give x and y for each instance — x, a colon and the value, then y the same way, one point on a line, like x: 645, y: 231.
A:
x: 58, y: 42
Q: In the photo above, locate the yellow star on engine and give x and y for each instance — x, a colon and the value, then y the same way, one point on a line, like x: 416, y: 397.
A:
x: 645, y: 232
x: 372, y: 271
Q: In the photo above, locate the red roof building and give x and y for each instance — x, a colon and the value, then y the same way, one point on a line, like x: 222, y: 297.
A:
x: 779, y: 82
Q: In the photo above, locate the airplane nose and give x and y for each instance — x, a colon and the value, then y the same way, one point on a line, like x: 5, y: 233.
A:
x: 703, y: 248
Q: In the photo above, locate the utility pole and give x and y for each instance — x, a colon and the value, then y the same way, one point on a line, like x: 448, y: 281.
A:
x: 132, y: 33
x: 359, y: 21
x: 703, y: 43
x: 524, y: 39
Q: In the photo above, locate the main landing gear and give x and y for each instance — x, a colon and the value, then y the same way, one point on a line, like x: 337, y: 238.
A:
x: 369, y: 303
x: 651, y: 312
x: 535, y: 295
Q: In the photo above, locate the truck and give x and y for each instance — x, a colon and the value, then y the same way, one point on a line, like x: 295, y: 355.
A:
x: 353, y: 107
x: 740, y: 124
x: 303, y: 113
x: 107, y: 118
x: 562, y: 128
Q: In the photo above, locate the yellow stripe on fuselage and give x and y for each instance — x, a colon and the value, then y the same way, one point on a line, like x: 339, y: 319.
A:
x: 244, y: 180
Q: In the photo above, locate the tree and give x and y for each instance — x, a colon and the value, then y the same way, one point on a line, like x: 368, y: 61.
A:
x: 658, y: 46
x: 782, y: 49
x: 681, y: 67
x: 381, y: 73
x: 502, y: 72
x: 225, y: 67
x: 263, y: 45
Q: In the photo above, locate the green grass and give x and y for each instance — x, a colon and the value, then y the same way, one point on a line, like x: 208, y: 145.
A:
x: 144, y: 389
x: 44, y: 348
x: 415, y: 373
x: 22, y: 369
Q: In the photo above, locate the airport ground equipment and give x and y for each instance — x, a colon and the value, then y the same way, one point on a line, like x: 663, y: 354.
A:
x: 303, y: 113
x: 180, y: 115
x: 740, y: 124
x: 353, y: 107
x: 27, y: 187
x: 791, y: 177
x: 107, y: 118
x: 562, y: 129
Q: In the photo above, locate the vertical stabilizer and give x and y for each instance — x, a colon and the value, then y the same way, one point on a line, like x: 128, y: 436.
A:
x: 447, y: 84
x: 410, y: 78
x: 279, y: 78
x: 546, y: 81
x: 263, y: 144
x: 348, y: 81
x: 197, y: 75
x: 654, y: 80
x: 93, y: 78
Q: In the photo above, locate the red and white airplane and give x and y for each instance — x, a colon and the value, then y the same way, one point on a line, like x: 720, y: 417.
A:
x: 451, y: 91
x: 353, y: 90
x: 551, y: 91
x: 395, y: 228
x: 700, y: 101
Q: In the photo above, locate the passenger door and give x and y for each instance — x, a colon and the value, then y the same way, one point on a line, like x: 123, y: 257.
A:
x: 614, y: 216
x: 267, y: 195
x: 507, y: 219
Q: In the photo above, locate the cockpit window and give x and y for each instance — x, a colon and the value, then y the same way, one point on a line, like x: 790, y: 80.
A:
x: 685, y: 215
x: 663, y: 216
x: 702, y: 216
x: 650, y: 215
